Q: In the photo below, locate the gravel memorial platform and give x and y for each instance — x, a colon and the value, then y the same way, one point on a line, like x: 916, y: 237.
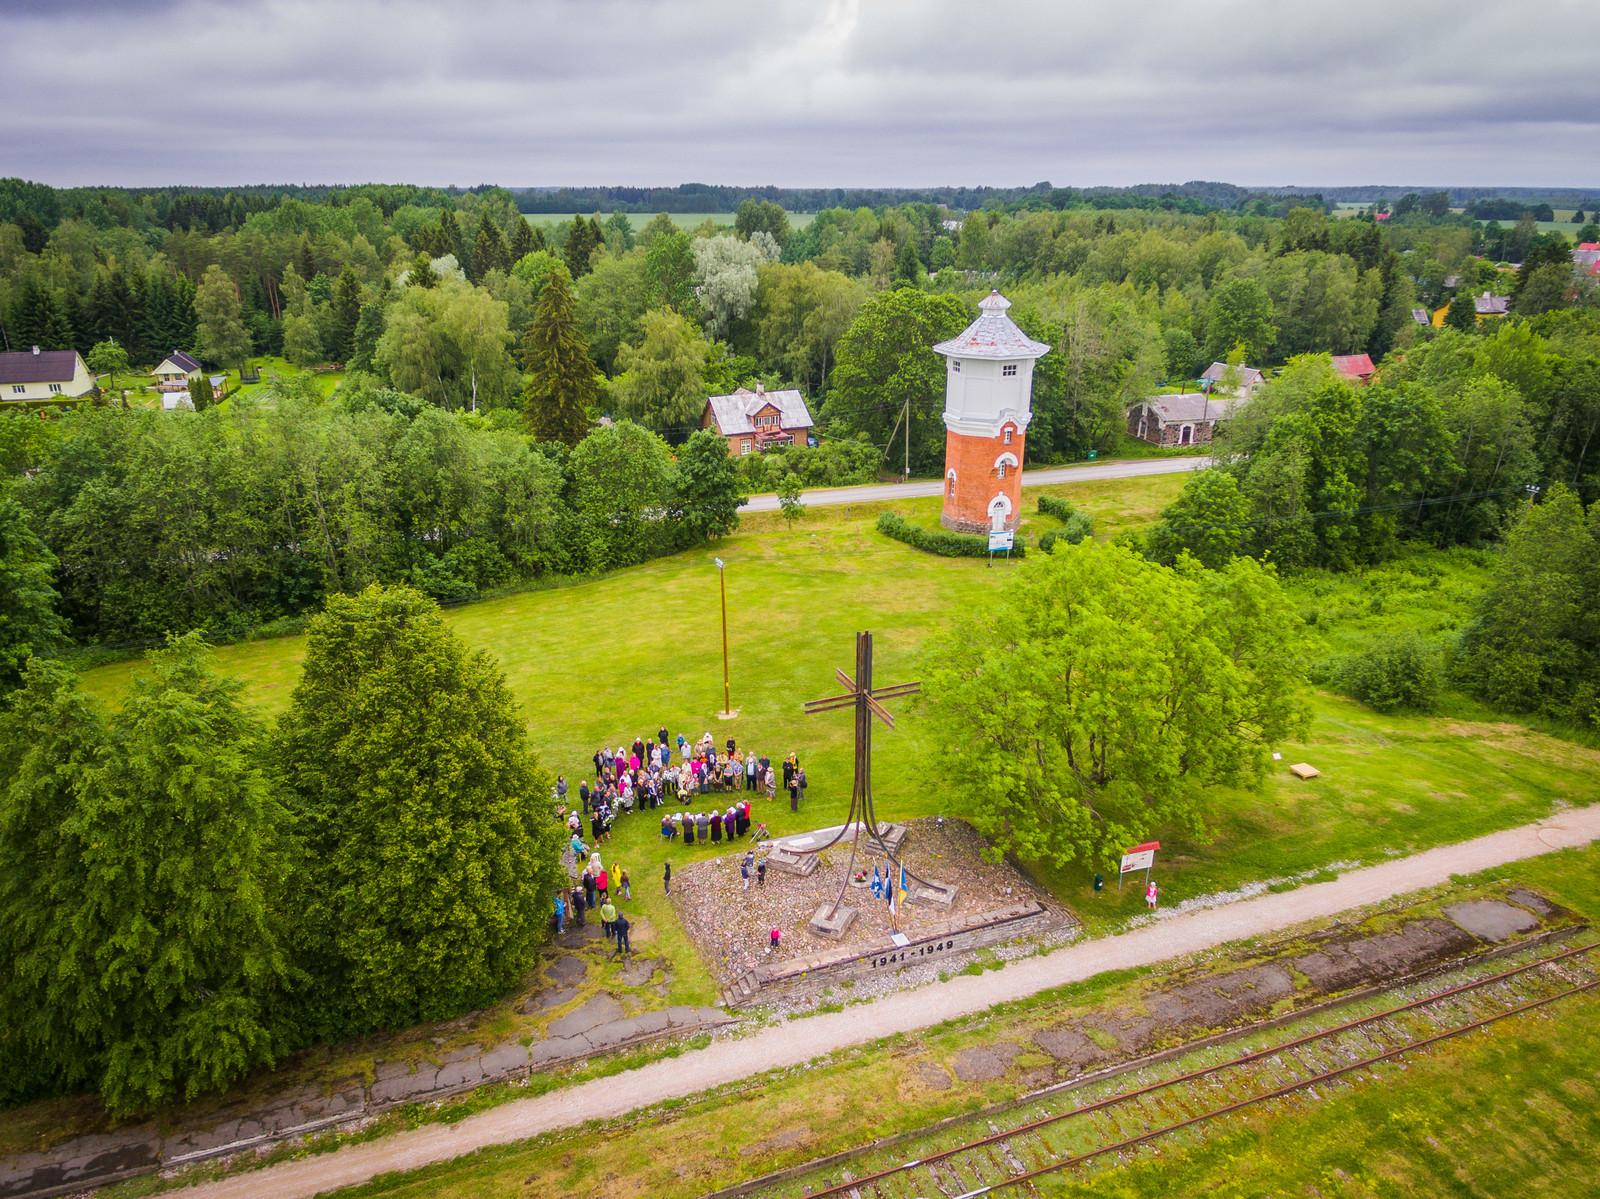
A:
x: 731, y: 924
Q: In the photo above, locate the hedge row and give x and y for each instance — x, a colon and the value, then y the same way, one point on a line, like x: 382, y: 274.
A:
x: 1076, y: 525
x: 945, y: 544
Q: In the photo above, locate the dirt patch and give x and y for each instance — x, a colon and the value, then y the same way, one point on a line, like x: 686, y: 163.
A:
x: 985, y: 1063
x: 636, y: 972
x: 789, y: 1138
x: 932, y: 1076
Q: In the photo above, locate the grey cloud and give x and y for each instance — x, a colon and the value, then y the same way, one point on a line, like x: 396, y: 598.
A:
x: 796, y: 92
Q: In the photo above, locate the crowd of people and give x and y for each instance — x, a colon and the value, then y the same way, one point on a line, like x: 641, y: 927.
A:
x: 653, y: 773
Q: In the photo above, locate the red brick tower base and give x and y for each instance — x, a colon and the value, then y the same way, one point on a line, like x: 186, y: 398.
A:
x: 972, y: 481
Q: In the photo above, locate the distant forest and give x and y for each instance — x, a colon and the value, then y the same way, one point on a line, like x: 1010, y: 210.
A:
x: 38, y: 207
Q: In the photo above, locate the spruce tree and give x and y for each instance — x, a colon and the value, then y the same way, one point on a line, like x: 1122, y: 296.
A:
x: 561, y: 376
x: 369, y: 327
x: 430, y: 855
x: 346, y: 311
x: 521, y: 241
x: 29, y: 315
x: 581, y: 243
x: 1462, y: 313
x: 422, y: 273
x: 141, y: 865
x: 488, y: 249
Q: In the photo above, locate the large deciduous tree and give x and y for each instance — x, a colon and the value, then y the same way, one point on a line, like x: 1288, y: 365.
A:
x: 1088, y: 707
x: 622, y: 483
x: 429, y: 855
x: 661, y: 382
x: 706, y: 489
x: 1240, y: 313
x: 220, y: 334
x: 725, y: 268
x: 885, y: 363
x: 29, y: 623
x: 561, y: 383
x: 1534, y: 643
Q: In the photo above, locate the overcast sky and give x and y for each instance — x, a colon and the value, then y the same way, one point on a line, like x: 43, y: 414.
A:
x: 799, y: 92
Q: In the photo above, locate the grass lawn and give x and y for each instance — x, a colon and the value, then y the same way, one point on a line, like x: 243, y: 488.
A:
x: 142, y: 391
x: 606, y: 659
x: 684, y: 220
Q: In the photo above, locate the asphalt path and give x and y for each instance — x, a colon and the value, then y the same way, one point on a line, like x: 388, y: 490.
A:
x: 869, y: 493
x: 1170, y: 935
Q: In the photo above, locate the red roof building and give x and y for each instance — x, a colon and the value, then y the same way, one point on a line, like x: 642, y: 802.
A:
x: 1357, y: 368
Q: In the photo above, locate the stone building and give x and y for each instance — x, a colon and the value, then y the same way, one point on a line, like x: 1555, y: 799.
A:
x: 987, y: 406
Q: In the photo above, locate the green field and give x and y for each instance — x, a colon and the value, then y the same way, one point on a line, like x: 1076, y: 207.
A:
x: 606, y: 659
x: 684, y: 220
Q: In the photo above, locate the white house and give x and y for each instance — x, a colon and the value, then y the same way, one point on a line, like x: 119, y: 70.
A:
x: 176, y: 372
x: 44, y: 375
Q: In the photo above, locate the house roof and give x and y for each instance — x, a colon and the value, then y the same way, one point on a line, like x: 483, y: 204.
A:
x: 1420, y: 315
x: 1355, y: 366
x: 1488, y: 305
x: 1247, y: 374
x: 38, y: 366
x: 735, y: 413
x: 182, y: 361
x: 992, y: 335
x: 1189, y: 407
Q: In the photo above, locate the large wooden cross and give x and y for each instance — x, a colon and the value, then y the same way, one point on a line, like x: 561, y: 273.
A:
x: 868, y: 703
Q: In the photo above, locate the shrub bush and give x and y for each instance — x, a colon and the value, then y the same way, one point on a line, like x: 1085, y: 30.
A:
x: 941, y: 542
x: 1075, y: 525
x: 1399, y: 675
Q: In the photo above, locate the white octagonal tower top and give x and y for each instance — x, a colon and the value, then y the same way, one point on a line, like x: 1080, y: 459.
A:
x: 989, y: 373
x: 993, y: 335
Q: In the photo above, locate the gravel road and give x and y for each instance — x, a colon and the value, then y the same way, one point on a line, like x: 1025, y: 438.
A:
x: 869, y: 493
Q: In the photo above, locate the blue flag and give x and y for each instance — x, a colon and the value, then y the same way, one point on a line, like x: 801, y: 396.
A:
x: 877, y: 883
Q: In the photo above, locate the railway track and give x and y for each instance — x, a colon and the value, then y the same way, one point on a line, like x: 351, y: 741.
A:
x: 1055, y: 1135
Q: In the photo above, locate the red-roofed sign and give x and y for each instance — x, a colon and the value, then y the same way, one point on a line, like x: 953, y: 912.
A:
x: 1140, y: 857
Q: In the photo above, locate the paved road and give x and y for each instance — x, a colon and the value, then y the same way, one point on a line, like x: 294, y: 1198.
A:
x: 1170, y: 936
x: 869, y: 493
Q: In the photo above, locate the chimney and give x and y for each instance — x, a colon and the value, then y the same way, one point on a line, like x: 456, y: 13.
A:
x: 760, y: 387
x: 35, y: 349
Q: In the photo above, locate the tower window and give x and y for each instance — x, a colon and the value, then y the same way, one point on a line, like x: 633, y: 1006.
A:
x: 1009, y: 369
x: 955, y: 366
x: 1008, y: 434
x: 1002, y: 469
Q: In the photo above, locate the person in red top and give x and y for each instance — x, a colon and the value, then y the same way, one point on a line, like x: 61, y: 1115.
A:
x: 601, y: 882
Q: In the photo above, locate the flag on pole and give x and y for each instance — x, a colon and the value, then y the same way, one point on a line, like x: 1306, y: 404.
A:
x: 877, y: 883
x: 902, y: 886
